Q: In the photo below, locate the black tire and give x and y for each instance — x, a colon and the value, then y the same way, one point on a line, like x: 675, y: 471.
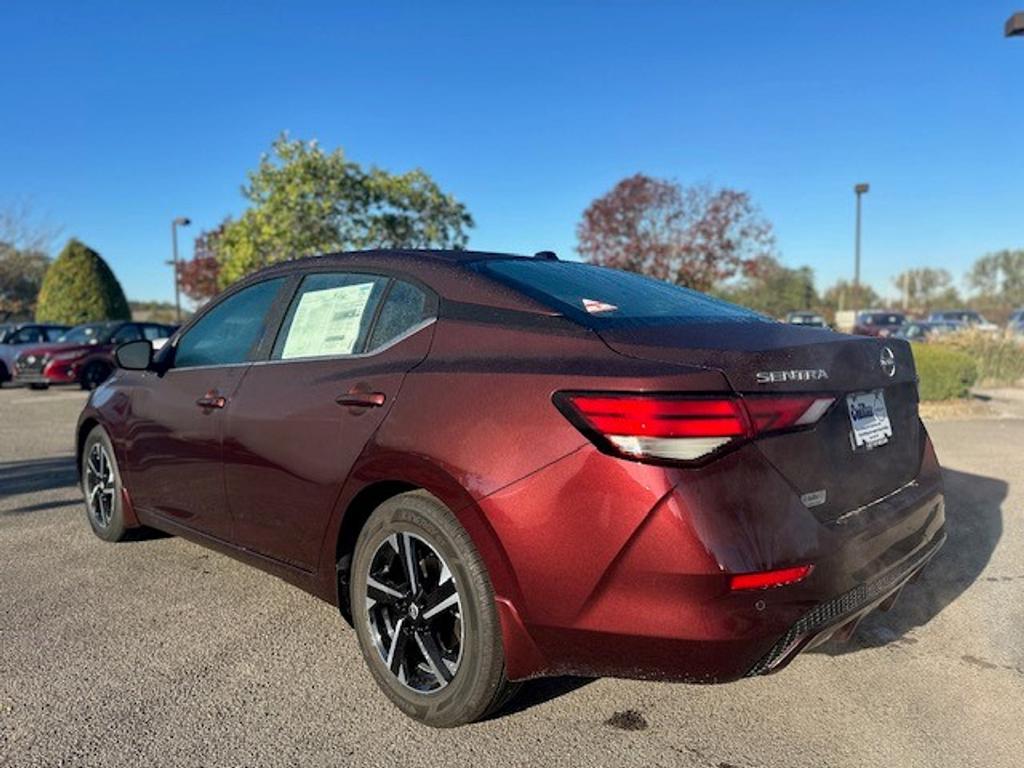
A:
x: 94, y: 374
x: 106, y: 519
x: 38, y: 385
x: 477, y: 685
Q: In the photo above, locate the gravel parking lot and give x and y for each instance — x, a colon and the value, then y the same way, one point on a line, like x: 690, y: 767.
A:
x: 159, y: 652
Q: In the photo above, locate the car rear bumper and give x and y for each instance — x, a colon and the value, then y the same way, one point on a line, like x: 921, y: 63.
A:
x: 840, y: 616
x: 657, y: 602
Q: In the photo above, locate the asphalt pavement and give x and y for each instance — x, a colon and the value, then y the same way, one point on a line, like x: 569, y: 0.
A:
x: 157, y: 652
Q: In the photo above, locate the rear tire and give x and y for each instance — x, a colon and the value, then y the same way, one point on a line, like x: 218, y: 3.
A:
x: 441, y: 633
x: 38, y: 385
x: 102, y: 488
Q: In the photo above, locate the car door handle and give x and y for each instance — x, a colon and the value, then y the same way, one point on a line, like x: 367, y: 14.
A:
x: 361, y: 399
x: 212, y: 400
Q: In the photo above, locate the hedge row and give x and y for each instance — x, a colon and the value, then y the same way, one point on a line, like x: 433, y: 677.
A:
x: 999, y: 357
x: 944, y: 372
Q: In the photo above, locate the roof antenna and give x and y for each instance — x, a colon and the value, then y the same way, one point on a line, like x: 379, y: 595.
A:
x: 546, y: 255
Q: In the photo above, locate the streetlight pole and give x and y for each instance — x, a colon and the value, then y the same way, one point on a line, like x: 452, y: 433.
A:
x: 181, y: 221
x: 859, y: 190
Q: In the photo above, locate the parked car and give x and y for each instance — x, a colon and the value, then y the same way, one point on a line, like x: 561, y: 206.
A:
x: 503, y: 467
x: 921, y: 330
x: 968, y: 317
x: 1016, y: 323
x: 16, y: 336
x: 878, y: 323
x: 809, y: 319
x: 82, y: 355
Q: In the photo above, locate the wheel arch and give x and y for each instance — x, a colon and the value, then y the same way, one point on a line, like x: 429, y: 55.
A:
x: 85, y: 426
x: 383, y: 475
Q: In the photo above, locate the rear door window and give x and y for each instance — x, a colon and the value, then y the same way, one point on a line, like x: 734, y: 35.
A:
x: 599, y: 296
x: 330, y: 316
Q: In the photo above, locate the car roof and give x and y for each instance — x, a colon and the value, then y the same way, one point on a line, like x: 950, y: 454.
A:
x: 444, y: 271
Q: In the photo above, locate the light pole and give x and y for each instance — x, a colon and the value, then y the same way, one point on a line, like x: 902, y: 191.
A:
x: 859, y: 190
x: 181, y: 221
x: 1014, y: 26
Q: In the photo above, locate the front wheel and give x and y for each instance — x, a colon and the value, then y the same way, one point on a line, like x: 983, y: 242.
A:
x: 101, y: 485
x: 424, y: 612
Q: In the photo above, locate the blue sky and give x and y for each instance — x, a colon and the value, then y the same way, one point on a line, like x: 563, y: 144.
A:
x: 118, y: 117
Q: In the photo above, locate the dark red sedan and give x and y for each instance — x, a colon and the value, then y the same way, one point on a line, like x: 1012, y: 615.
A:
x: 83, y: 355
x: 504, y: 467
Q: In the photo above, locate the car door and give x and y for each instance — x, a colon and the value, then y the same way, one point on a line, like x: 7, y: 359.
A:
x: 178, y: 415
x: 301, y: 418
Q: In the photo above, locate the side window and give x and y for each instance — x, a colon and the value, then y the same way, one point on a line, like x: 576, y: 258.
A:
x: 229, y: 332
x: 29, y: 335
x: 126, y: 333
x: 52, y: 334
x: 404, y: 306
x: 329, y: 316
x: 154, y: 332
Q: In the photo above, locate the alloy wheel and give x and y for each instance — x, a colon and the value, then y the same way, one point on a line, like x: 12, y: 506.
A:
x: 100, y: 485
x: 415, y: 612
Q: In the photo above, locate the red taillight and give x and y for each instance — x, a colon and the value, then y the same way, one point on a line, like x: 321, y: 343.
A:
x: 768, y: 579
x: 675, y: 428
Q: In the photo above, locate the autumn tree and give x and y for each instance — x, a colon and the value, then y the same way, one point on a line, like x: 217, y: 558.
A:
x: 198, y: 276
x: 24, y: 259
x: 304, y: 200
x: 694, y: 236
x: 21, y: 276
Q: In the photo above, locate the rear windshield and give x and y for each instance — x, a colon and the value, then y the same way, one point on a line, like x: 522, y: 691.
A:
x: 610, y: 297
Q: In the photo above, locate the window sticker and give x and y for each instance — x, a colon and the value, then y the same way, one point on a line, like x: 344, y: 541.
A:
x: 327, y: 322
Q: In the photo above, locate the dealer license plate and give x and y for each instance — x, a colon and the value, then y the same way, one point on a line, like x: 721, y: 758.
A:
x: 869, y: 418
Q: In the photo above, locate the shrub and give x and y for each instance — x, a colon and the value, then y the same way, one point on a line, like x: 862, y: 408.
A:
x: 80, y: 288
x: 945, y: 373
x: 999, y: 357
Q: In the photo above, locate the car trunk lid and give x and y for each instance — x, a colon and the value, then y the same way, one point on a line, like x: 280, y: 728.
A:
x: 830, y: 473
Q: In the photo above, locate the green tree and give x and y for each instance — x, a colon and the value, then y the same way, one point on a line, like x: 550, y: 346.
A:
x: 843, y: 295
x: 998, y: 278
x: 773, y: 289
x: 927, y: 288
x: 80, y: 288
x: 305, y: 201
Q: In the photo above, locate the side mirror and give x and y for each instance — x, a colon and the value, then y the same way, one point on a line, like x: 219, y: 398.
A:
x: 135, y: 355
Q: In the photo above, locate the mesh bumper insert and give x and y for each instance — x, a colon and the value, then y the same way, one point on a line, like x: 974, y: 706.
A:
x: 832, y: 612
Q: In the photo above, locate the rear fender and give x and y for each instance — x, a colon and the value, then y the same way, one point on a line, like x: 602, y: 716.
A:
x: 382, y: 466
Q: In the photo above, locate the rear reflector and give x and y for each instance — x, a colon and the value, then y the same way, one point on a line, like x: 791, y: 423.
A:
x: 768, y: 579
x: 674, y: 428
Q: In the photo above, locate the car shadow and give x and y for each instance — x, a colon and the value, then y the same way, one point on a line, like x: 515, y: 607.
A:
x: 974, y: 525
x: 34, y: 475
x: 539, y: 691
